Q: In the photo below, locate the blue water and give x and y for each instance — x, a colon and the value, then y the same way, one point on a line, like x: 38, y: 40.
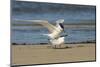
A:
x: 29, y: 35
x: 51, y: 12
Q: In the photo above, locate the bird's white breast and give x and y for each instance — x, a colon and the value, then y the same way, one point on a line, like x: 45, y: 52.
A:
x: 57, y: 41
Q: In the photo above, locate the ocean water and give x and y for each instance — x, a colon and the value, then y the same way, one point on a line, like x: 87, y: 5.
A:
x: 72, y: 14
x: 31, y: 35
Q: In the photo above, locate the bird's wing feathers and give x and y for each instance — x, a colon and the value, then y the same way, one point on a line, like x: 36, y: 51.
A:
x: 49, y: 26
x: 45, y: 23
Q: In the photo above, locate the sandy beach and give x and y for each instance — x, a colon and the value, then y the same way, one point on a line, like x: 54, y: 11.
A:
x: 43, y: 54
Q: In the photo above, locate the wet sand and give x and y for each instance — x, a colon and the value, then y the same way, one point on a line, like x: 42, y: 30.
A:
x: 43, y: 54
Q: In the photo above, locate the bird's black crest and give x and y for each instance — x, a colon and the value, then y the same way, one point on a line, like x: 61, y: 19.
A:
x: 61, y: 25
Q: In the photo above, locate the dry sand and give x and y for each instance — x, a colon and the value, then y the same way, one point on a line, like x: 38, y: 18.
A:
x: 41, y: 54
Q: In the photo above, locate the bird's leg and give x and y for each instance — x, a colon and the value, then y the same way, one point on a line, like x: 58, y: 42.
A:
x: 60, y: 46
x: 54, y: 46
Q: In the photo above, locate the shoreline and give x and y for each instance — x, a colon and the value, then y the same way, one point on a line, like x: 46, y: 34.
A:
x: 48, y: 44
x: 31, y: 54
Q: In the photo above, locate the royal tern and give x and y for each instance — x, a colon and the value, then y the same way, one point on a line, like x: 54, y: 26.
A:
x: 55, y: 30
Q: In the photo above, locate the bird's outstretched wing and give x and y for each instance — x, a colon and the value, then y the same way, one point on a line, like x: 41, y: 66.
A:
x: 45, y: 23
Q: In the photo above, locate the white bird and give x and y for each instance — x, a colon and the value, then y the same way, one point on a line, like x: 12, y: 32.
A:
x: 54, y: 36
